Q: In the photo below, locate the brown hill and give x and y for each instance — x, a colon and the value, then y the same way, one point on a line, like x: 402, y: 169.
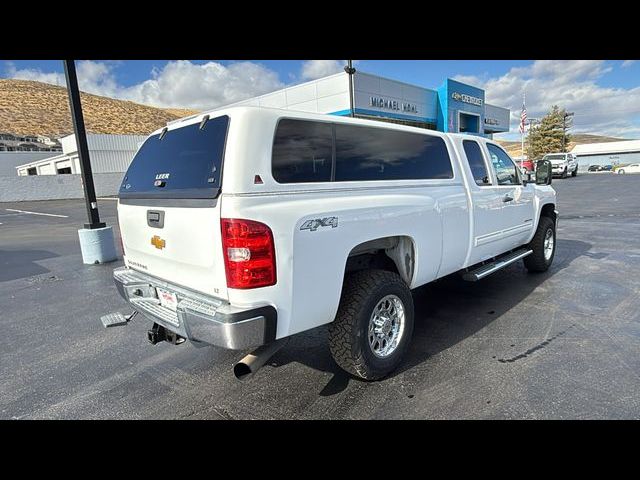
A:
x: 35, y: 108
x: 515, y: 149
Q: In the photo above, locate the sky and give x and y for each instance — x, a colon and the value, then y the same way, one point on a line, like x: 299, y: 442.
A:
x: 603, y: 94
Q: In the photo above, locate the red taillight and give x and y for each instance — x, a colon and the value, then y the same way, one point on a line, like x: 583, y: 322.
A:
x: 249, y: 253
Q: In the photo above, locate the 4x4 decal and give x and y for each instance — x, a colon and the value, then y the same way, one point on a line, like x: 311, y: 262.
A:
x: 319, y: 222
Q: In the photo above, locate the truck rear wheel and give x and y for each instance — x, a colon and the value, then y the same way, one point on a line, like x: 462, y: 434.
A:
x: 543, y: 245
x: 374, y: 324
x: 575, y: 172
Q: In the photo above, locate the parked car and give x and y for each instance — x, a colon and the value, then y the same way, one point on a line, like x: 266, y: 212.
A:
x: 563, y: 164
x: 595, y: 168
x: 247, y: 225
x: 526, y: 166
x: 607, y: 168
x: 633, y: 168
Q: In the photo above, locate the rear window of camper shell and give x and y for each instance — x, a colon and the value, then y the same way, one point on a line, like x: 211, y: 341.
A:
x: 185, y: 162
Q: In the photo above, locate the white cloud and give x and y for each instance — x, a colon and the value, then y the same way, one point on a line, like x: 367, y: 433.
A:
x: 180, y: 84
x: 571, y: 85
x: 185, y: 84
x: 312, y: 69
x: 472, y: 80
x: 53, y: 78
x: 628, y: 63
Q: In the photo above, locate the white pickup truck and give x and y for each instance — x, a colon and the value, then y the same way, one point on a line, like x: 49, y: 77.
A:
x: 248, y: 225
x: 563, y: 164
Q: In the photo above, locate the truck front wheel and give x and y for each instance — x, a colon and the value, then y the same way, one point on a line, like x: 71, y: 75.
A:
x: 374, y: 324
x: 543, y: 245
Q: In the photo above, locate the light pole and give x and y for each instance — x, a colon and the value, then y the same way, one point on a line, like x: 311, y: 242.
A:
x: 350, y: 70
x: 83, y: 150
x: 96, y: 239
x: 564, y: 128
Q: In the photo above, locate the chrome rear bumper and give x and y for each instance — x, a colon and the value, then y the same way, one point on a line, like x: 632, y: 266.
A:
x: 198, y: 317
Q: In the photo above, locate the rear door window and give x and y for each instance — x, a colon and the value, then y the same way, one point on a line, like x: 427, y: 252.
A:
x: 185, y: 163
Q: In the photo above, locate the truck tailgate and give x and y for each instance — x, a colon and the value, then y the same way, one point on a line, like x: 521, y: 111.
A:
x: 186, y: 250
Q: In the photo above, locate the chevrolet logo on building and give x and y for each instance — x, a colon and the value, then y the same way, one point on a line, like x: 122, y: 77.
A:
x: 158, y: 242
x: 462, y: 97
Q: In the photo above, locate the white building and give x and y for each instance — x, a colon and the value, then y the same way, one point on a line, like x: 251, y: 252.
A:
x: 108, y: 154
x: 607, y: 153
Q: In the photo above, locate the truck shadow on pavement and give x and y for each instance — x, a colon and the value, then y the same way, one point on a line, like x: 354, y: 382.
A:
x: 446, y: 312
x: 16, y: 264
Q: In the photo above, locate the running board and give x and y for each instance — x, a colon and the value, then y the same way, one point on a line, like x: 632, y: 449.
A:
x: 498, y: 264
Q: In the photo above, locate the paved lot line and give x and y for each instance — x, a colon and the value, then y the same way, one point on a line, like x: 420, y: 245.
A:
x: 36, y: 213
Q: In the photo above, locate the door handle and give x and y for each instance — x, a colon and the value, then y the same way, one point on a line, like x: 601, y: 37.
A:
x: 507, y: 198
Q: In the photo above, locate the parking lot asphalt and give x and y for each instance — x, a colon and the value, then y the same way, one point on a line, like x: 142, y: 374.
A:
x: 562, y: 344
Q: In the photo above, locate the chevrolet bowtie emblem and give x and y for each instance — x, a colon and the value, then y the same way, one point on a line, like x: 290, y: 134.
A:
x: 157, y: 242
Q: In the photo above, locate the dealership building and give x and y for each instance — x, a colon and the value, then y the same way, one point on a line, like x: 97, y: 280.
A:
x: 453, y: 107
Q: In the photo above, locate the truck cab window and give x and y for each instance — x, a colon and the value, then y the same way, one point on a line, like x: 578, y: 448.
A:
x: 476, y: 162
x: 506, y: 170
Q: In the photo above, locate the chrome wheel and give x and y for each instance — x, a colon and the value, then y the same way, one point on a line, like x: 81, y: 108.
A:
x: 386, y: 326
x: 549, y: 244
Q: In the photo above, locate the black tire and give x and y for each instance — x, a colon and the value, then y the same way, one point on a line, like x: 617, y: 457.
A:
x: 575, y: 172
x: 536, y: 261
x: 564, y: 174
x: 348, y: 334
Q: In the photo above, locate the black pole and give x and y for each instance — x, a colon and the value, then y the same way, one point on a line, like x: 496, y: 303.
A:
x: 83, y: 149
x: 350, y: 70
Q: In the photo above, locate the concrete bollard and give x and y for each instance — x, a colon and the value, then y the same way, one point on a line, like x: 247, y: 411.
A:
x: 97, y: 245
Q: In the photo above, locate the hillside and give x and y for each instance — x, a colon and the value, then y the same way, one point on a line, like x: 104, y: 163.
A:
x: 35, y: 108
x: 515, y: 149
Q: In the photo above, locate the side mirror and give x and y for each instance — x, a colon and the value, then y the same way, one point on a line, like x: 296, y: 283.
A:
x: 543, y: 172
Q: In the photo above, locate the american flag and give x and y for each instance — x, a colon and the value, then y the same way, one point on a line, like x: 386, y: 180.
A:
x: 523, y: 117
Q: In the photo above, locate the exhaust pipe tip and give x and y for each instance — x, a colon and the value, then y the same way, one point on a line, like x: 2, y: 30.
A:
x: 251, y: 363
x: 242, y: 371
